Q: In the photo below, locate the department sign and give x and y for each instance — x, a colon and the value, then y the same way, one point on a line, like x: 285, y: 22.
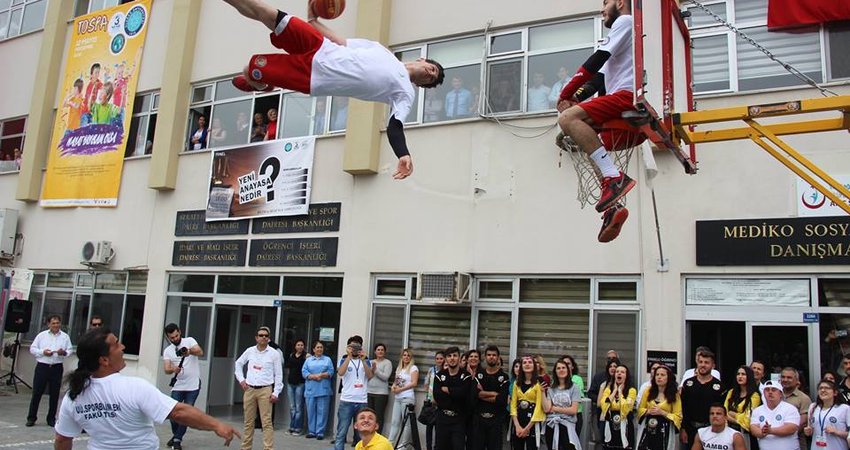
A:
x: 303, y: 252
x: 800, y: 241
x: 209, y: 253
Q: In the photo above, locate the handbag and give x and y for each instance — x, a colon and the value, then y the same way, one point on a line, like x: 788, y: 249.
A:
x: 428, y: 413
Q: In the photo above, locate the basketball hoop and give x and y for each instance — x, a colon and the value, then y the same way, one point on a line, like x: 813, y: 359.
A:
x: 620, y: 139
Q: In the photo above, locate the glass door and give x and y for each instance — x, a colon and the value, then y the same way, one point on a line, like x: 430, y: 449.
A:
x: 198, y: 319
x: 781, y: 345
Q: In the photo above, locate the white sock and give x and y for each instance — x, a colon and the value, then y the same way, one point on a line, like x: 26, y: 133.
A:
x: 605, y: 163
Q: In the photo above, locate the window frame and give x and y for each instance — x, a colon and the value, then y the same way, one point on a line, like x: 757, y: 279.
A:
x: 22, y: 135
x: 80, y: 290
x: 153, y: 111
x: 23, y: 6
x: 747, y: 26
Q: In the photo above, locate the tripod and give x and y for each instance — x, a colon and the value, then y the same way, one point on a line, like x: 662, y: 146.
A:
x: 12, y: 379
x: 408, y: 419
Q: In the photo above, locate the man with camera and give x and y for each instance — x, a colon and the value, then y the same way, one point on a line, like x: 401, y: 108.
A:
x: 181, y: 361
x: 354, y: 370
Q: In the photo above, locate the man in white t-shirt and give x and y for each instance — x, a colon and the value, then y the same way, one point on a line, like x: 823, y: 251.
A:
x: 181, y: 360
x: 718, y: 436
x: 118, y: 411
x: 354, y: 370
x: 609, y: 71
x: 318, y: 62
x: 775, y: 423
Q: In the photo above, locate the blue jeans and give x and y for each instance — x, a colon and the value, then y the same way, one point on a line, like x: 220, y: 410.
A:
x: 296, y: 410
x: 317, y: 414
x: 345, y: 415
x: 189, y: 398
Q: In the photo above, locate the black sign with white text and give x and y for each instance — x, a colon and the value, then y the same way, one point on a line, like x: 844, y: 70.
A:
x: 320, y: 217
x: 209, y: 253
x: 797, y: 241
x: 193, y: 223
x: 669, y: 359
x: 314, y: 252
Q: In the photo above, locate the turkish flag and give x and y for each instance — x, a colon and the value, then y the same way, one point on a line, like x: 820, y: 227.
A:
x: 792, y: 13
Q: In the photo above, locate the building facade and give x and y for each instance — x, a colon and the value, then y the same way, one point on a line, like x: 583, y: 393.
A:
x: 491, y: 202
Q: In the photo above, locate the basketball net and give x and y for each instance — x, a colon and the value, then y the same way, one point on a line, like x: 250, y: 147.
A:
x: 588, y: 175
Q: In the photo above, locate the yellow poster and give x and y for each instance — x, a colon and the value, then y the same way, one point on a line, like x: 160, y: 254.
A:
x: 95, y: 107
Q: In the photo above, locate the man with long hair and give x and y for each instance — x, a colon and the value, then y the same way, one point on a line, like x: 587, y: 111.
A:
x: 115, y: 410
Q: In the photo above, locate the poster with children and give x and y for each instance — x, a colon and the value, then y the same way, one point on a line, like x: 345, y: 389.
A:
x: 95, y: 107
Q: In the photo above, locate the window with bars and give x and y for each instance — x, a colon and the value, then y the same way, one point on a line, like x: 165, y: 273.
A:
x: 19, y: 17
x: 724, y: 62
x: 117, y: 297
x: 12, y: 133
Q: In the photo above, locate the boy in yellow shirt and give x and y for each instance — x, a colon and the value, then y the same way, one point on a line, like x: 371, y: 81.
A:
x: 366, y: 423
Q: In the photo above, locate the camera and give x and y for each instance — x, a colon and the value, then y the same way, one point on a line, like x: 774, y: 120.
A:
x: 182, y: 351
x: 356, y: 349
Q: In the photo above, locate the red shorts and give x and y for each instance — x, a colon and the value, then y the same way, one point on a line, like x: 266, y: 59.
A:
x: 606, y: 108
x: 290, y: 70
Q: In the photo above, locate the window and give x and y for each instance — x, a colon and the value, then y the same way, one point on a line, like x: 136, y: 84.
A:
x: 89, y: 6
x: 142, y: 125
x: 21, y: 16
x: 550, y: 316
x: 11, y: 142
x: 233, y: 117
x: 76, y: 297
x: 388, y: 329
x: 723, y: 62
x: 523, y: 71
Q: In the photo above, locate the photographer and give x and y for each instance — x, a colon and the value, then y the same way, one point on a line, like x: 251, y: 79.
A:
x: 355, y: 370
x: 181, y: 361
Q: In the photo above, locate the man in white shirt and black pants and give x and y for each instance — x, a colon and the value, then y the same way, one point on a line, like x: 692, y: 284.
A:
x: 262, y: 385
x: 50, y: 348
x: 181, y: 361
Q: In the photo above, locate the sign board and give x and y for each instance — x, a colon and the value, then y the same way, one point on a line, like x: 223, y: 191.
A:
x: 193, y: 223
x: 811, y: 317
x: 747, y: 291
x: 669, y: 359
x: 301, y: 252
x: 811, y: 202
x: 757, y: 242
x: 319, y: 217
x: 210, y: 253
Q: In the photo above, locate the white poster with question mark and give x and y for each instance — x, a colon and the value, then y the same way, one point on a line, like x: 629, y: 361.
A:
x: 263, y: 179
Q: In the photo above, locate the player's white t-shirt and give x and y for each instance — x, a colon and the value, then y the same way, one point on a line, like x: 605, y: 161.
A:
x: 837, y: 416
x: 403, y: 378
x: 619, y: 70
x: 782, y: 414
x: 717, y: 441
x: 365, y: 70
x: 189, y: 379
x: 118, y: 413
x: 354, y: 381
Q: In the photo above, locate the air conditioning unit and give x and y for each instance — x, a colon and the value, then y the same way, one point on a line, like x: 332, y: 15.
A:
x: 99, y: 252
x: 8, y: 229
x: 443, y: 286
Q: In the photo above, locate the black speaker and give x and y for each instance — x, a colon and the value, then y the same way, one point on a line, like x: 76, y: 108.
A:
x: 18, y: 316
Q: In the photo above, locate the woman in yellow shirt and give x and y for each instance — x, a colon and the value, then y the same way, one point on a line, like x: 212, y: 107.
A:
x: 527, y: 407
x: 617, y: 404
x: 740, y: 402
x: 660, y: 412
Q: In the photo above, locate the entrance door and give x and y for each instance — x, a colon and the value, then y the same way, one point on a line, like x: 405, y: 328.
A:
x: 198, y: 326
x: 783, y: 345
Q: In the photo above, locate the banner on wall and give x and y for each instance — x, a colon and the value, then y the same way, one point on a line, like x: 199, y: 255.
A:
x: 96, y: 104
x: 272, y: 178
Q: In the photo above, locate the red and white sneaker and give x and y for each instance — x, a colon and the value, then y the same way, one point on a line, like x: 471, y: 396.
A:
x: 612, y: 222
x: 613, y: 189
x: 241, y: 83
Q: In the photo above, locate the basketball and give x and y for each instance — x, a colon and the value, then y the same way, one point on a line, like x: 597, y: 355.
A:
x: 329, y: 9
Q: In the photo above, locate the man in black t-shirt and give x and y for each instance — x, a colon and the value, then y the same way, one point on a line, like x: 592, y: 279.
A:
x: 491, y: 390
x: 698, y: 394
x: 452, y: 394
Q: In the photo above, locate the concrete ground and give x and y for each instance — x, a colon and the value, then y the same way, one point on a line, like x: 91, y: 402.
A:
x: 14, y: 435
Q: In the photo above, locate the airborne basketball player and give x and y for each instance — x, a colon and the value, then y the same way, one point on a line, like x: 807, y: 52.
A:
x: 609, y: 71
x: 318, y: 62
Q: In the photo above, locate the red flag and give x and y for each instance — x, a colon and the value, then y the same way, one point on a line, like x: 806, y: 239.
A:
x: 792, y: 13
